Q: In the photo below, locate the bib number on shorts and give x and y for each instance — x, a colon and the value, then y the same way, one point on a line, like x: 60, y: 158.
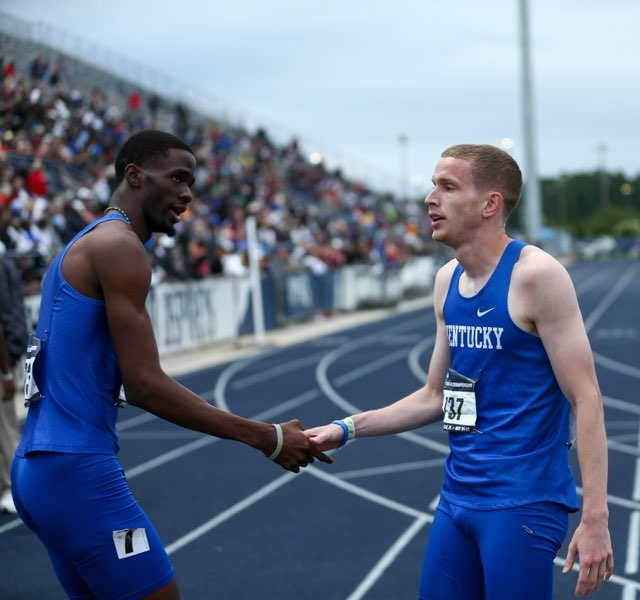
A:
x: 459, y: 404
x: 129, y: 542
x: 31, y: 391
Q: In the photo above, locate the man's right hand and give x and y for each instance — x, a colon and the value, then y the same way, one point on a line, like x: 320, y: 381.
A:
x: 297, y: 450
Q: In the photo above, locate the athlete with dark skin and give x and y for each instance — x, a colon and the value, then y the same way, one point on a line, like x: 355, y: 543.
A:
x: 109, y: 264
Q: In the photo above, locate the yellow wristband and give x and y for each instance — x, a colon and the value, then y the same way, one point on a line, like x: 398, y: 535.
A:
x: 351, y: 428
x: 278, y: 449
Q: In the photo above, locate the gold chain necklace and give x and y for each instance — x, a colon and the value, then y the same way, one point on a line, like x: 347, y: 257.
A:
x: 118, y: 210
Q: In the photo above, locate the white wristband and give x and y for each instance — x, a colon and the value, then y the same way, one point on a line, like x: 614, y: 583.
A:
x: 279, y: 440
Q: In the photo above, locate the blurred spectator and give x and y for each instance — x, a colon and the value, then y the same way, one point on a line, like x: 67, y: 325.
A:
x: 54, y: 72
x: 198, y: 265
x: 8, y: 68
x: 13, y: 327
x: 39, y: 67
x: 36, y: 183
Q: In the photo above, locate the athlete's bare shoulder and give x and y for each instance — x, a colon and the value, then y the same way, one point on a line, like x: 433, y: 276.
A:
x: 446, y: 270
x: 443, y: 276
x: 441, y: 284
x: 119, y: 257
x: 535, y: 267
x: 540, y: 284
x: 110, y: 252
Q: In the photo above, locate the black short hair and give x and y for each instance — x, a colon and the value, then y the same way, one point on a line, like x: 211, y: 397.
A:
x: 142, y: 147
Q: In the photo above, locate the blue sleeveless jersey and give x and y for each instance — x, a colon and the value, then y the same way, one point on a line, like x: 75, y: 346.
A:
x: 75, y: 370
x: 517, y: 452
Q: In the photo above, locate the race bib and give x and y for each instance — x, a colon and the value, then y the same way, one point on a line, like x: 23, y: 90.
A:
x: 459, y: 404
x: 129, y: 542
x: 31, y: 391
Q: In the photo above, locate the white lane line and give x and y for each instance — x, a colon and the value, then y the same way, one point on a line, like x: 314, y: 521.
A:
x: 414, y: 358
x: 230, y: 512
x: 163, y: 459
x: 371, y: 367
x: 295, y: 402
x: 610, y: 298
x: 275, y: 371
x: 160, y: 434
x: 425, y: 442
x: 387, y: 559
x: 623, y: 448
x: 631, y: 562
x: 219, y: 392
x: 10, y: 525
x: 619, y: 443
x: 135, y: 421
x: 616, y: 366
x: 591, y: 282
x: 367, y: 495
x: 623, y: 405
x: 416, y: 465
x: 633, y: 540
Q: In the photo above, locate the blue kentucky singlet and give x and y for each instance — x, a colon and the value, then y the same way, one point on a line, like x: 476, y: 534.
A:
x: 75, y: 370
x: 511, y: 449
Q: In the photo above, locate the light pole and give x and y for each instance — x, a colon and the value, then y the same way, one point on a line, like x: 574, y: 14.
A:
x: 604, y: 176
x: 533, y: 212
x: 404, y: 164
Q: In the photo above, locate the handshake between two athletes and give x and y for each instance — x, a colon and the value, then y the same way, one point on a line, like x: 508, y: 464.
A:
x: 295, y: 448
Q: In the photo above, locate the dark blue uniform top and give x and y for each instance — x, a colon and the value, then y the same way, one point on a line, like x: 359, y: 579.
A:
x: 75, y: 370
x: 517, y: 451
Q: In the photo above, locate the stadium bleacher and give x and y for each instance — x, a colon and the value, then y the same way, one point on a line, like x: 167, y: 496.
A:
x: 62, y: 121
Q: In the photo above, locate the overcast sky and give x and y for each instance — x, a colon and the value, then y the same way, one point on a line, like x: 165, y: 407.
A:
x: 350, y: 77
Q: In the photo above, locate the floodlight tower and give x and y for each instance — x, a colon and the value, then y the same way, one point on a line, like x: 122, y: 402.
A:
x: 533, y: 211
x: 404, y: 165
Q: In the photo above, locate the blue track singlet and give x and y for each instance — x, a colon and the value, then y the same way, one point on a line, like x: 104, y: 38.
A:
x: 513, y: 449
x: 75, y: 370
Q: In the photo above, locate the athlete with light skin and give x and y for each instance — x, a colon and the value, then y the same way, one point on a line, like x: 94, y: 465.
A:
x: 94, y: 334
x: 508, y: 462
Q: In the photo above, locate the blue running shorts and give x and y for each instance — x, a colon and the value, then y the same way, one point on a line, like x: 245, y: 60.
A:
x: 99, y: 540
x: 487, y: 554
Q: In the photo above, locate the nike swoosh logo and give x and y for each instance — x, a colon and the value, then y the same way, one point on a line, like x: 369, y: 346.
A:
x: 482, y: 313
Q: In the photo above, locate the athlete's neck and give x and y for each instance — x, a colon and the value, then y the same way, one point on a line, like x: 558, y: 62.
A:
x: 480, y: 257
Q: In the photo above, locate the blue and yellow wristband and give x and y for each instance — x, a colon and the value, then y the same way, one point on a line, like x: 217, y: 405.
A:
x: 348, y: 430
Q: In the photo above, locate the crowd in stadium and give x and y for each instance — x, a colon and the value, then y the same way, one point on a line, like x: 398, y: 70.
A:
x: 58, y: 144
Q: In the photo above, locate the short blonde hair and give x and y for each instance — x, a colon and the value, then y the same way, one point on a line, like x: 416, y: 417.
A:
x: 491, y: 169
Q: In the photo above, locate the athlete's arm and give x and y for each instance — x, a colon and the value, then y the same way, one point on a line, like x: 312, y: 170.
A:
x: 546, y: 297
x: 421, y: 407
x: 123, y: 274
